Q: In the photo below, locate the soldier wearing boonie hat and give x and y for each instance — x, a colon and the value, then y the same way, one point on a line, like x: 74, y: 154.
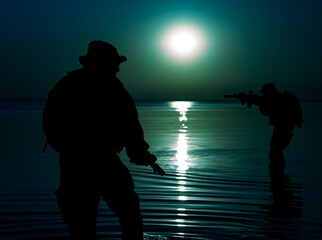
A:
x: 89, y: 118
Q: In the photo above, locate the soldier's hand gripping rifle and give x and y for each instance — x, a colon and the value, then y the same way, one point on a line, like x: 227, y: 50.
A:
x: 249, y: 98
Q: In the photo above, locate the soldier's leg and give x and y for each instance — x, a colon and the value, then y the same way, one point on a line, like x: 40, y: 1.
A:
x: 79, y: 211
x: 281, y: 138
x: 276, y: 154
x: 78, y: 197
x: 119, y: 195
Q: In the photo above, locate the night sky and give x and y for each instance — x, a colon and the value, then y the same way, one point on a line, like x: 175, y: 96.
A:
x: 247, y: 43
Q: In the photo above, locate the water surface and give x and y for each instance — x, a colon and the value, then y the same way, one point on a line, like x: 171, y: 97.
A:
x: 217, y: 184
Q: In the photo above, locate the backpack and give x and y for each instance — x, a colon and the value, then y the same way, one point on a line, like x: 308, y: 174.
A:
x: 51, y: 125
x: 55, y: 124
x: 292, y: 108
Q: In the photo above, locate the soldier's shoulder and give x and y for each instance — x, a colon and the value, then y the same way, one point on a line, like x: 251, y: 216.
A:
x: 290, y: 96
x: 115, y: 85
x: 68, y: 81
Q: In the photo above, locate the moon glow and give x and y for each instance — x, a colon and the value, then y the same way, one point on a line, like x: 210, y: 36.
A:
x: 183, y: 43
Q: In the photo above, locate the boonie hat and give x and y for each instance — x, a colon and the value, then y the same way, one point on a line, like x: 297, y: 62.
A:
x: 100, y: 51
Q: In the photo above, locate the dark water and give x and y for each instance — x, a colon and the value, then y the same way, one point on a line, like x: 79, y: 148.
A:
x: 217, y: 184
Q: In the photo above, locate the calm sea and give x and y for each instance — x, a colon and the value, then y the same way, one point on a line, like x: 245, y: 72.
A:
x: 217, y: 184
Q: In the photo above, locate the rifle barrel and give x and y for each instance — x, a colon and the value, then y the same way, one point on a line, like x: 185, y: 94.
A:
x: 230, y: 96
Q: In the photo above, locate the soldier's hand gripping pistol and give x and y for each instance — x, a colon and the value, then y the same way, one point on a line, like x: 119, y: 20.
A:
x: 149, y: 159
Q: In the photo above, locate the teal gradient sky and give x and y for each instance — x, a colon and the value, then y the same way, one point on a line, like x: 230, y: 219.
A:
x: 249, y: 43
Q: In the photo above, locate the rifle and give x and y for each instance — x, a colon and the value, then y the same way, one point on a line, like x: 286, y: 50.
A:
x: 249, y: 98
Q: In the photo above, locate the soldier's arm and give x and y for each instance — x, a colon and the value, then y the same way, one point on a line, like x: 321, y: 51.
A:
x: 136, y: 147
x: 256, y: 99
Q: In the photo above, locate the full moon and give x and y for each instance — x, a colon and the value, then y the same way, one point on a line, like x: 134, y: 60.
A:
x: 183, y: 43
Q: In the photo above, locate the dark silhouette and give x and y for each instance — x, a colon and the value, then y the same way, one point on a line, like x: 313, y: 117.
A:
x: 89, y: 117
x: 284, y: 112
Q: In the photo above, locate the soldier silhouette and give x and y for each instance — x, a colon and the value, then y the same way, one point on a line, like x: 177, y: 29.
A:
x: 89, y: 117
x: 284, y: 112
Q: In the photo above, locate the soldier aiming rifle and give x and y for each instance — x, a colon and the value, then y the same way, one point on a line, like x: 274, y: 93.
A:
x: 284, y: 112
